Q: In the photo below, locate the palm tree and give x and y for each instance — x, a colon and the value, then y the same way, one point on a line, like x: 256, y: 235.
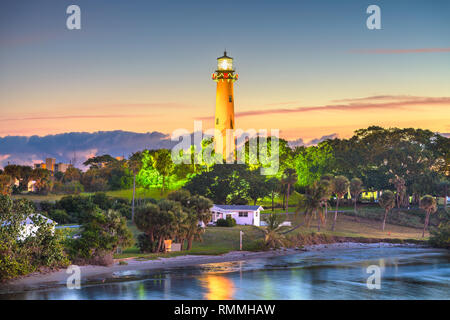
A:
x: 387, y: 202
x: 400, y: 186
x: 164, y: 165
x: 356, y: 187
x: 312, y: 201
x: 328, y: 180
x: 443, y: 190
x: 427, y: 203
x: 340, y: 188
x: 289, y: 178
x: 134, y: 165
x: 5, y: 184
x: 272, y: 236
x: 273, y: 185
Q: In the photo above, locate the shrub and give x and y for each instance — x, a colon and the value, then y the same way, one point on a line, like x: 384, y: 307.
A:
x: 21, y: 256
x: 440, y: 238
x: 59, y: 216
x: 228, y: 222
x: 101, y: 235
x: 144, y: 244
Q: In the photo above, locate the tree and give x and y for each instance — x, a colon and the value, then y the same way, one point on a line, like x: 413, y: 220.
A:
x: 101, y: 235
x: 427, y: 203
x: 5, y: 184
x: 312, y: 201
x: 257, y: 186
x: 387, y: 202
x: 223, y: 184
x: 400, y: 186
x: 340, y: 188
x: 443, y: 189
x: 197, y: 209
x: 99, y: 161
x: 20, y: 256
x: 313, y: 162
x: 356, y: 187
x: 72, y: 174
x: 164, y: 165
x: 327, y: 180
x: 273, y: 185
x: 134, y: 165
x: 19, y: 173
x: 289, y: 179
x: 146, y: 220
x: 42, y: 178
x: 272, y: 236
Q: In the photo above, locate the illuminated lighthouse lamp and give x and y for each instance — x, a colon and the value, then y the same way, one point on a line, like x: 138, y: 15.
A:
x: 224, y: 70
x: 225, y: 63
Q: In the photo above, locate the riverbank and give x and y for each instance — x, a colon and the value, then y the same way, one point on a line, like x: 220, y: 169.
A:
x: 99, y: 274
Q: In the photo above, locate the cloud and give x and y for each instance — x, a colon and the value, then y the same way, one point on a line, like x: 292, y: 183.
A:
x: 100, y: 116
x: 81, y: 145
x: 400, y: 51
x: 358, y: 104
x: 300, y: 142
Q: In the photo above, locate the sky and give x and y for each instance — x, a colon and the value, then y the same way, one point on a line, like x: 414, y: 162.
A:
x: 307, y: 68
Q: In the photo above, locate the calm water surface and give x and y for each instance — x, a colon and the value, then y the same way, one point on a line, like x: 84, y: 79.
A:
x: 407, y: 273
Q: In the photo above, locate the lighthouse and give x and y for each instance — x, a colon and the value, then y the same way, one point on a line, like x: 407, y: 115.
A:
x: 224, y: 118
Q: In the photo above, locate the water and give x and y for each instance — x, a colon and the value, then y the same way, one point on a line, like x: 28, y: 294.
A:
x: 407, y: 273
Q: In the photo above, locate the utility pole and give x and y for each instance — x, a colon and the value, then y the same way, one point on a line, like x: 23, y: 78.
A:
x: 240, y: 240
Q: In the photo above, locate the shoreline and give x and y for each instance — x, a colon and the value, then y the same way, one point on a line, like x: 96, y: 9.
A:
x: 100, y: 274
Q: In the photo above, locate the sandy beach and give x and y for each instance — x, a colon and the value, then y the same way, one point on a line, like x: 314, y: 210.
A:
x: 91, y: 274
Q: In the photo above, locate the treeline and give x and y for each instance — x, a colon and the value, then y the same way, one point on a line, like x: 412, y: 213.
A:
x: 105, y: 173
x: 76, y: 208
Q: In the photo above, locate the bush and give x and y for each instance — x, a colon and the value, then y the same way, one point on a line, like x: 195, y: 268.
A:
x: 228, y: 222
x: 43, y: 249
x: 144, y: 244
x: 101, y: 235
x: 59, y: 216
x: 440, y: 238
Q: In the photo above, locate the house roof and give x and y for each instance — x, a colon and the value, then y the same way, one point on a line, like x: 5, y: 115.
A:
x: 29, y: 220
x: 238, y: 207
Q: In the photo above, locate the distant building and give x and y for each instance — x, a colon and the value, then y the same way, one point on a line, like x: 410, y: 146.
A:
x: 40, y: 166
x: 62, y: 167
x: 51, y: 165
x: 243, y: 214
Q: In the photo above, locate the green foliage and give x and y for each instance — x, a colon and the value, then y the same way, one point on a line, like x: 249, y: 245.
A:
x: 228, y: 222
x: 313, y: 162
x: 222, y: 183
x: 387, y: 200
x: 273, y: 238
x: 5, y: 184
x: 102, y: 233
x: 440, y: 237
x: 20, y: 255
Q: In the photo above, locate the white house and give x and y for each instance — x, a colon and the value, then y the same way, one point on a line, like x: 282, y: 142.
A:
x: 29, y: 228
x: 243, y: 214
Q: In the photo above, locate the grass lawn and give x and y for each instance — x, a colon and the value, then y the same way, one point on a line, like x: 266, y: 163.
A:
x: 349, y: 226
x: 216, y: 240
x: 220, y: 240
x: 125, y: 194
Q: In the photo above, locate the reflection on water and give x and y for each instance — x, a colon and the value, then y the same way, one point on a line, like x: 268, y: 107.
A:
x: 406, y: 273
x: 217, y: 287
